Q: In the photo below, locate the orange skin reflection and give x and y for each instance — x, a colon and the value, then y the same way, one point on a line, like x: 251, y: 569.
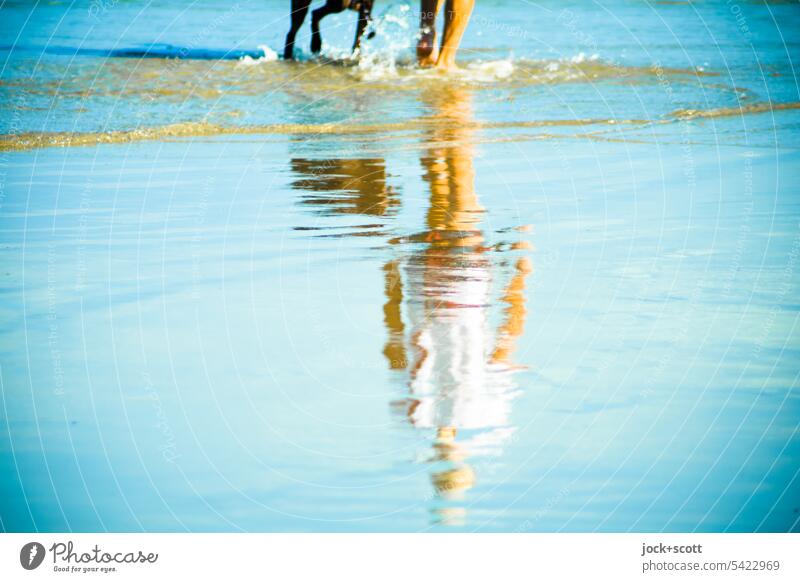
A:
x: 453, y: 218
x: 453, y: 239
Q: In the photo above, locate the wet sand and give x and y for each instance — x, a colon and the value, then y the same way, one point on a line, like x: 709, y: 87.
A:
x: 245, y: 334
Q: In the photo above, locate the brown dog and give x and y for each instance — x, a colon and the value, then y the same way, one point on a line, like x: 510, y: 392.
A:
x: 300, y: 9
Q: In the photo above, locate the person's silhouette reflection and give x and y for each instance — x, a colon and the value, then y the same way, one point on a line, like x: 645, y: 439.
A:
x: 459, y: 368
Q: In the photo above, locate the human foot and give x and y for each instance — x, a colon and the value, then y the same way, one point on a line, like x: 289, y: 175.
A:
x: 446, y: 61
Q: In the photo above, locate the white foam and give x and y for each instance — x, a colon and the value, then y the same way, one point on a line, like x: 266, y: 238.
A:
x: 487, y: 71
x: 268, y: 57
x: 582, y: 58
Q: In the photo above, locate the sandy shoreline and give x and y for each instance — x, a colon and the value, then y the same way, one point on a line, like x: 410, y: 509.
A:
x: 28, y: 140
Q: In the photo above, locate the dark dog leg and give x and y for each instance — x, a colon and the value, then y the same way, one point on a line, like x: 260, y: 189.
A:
x: 298, y: 15
x: 331, y: 7
x: 364, y: 18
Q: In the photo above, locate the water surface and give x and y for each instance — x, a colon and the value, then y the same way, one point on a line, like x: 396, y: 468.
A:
x: 555, y: 291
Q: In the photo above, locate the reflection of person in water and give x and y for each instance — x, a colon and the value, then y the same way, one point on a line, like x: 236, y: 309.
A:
x: 459, y: 369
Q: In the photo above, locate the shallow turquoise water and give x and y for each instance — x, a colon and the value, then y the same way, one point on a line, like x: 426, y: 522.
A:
x: 479, y: 319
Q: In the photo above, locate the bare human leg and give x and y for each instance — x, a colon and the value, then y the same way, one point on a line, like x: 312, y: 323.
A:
x: 456, y: 18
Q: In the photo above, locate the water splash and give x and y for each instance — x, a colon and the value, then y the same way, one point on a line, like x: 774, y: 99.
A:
x: 390, y: 47
x: 268, y: 57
